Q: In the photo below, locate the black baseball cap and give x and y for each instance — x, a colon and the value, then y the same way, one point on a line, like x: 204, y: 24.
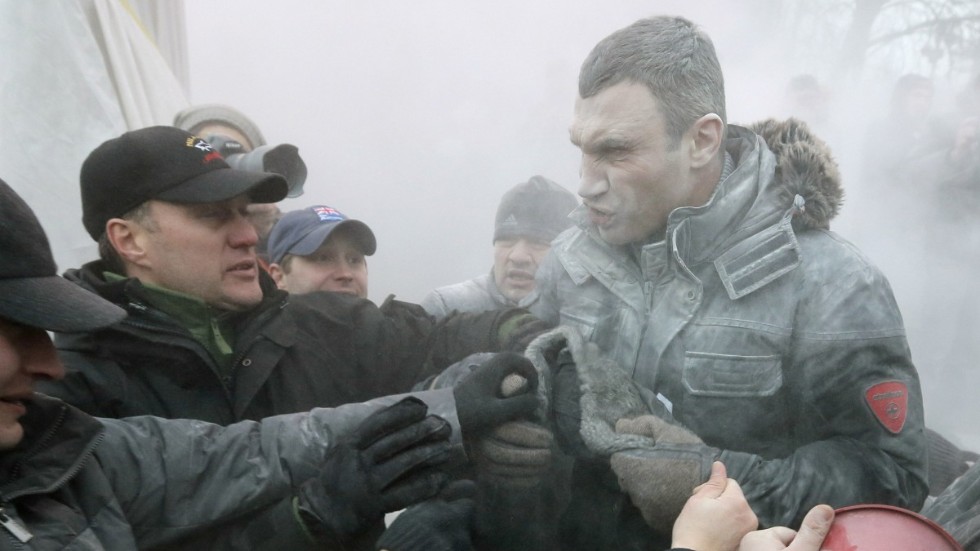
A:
x: 31, y: 291
x: 168, y: 164
x: 301, y: 232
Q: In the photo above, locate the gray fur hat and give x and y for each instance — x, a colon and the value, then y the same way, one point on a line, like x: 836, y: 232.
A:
x: 198, y: 115
x: 608, y: 392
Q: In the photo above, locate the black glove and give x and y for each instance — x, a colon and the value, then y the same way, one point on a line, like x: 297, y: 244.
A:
x: 441, y: 524
x: 480, y: 402
x: 566, y: 405
x: 386, y: 464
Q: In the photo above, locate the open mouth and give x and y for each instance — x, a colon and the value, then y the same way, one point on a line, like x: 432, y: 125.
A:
x: 15, y: 404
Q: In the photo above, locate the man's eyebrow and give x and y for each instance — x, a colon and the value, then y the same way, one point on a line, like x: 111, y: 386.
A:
x: 604, y: 144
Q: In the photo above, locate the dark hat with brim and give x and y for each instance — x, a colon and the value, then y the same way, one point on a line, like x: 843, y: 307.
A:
x: 219, y: 185
x: 302, y: 232
x: 53, y: 303
x: 168, y: 164
x: 31, y: 292
x: 537, y: 209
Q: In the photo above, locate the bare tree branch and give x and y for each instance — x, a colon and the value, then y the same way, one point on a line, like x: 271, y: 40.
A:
x: 925, y: 25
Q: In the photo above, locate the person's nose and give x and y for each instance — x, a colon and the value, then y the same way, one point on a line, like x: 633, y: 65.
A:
x: 592, y: 179
x: 344, y: 271
x: 242, y: 233
x: 520, y: 254
x: 40, y: 357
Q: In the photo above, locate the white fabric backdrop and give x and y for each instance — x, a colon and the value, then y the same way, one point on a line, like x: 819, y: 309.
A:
x: 72, y: 75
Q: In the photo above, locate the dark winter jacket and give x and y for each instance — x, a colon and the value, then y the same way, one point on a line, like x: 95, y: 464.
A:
x: 292, y: 353
x: 76, y: 482
x: 774, y: 339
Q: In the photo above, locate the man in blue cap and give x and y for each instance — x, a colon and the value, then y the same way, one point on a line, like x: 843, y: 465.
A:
x: 320, y: 249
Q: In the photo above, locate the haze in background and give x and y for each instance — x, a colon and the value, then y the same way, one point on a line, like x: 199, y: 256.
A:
x: 416, y: 117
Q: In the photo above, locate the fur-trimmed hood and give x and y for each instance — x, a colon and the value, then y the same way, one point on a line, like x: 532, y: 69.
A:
x: 806, y: 167
x: 775, y: 161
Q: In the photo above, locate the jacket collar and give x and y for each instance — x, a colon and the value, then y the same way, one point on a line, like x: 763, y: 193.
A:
x: 785, y: 180
x: 776, y: 161
x: 741, y: 206
x: 58, y: 440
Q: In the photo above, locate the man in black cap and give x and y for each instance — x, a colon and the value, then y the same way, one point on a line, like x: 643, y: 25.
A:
x: 320, y: 249
x: 529, y: 216
x: 208, y: 335
x: 68, y: 479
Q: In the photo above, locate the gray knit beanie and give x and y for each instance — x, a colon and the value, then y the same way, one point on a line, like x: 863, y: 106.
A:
x: 198, y: 115
x: 537, y: 209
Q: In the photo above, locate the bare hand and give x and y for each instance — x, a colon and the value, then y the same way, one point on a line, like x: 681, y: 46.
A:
x: 816, y: 525
x: 716, y: 517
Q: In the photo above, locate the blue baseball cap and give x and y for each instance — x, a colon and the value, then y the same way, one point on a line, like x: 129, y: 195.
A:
x: 301, y: 232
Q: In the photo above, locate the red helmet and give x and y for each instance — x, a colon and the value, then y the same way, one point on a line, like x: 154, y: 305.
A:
x: 871, y: 527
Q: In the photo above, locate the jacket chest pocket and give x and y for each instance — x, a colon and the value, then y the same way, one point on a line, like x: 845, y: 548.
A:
x: 583, y: 311
x: 709, y: 374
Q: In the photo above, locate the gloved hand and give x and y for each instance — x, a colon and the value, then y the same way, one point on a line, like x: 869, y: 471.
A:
x: 566, y: 405
x: 480, y: 402
x: 519, y: 330
x: 659, y: 479
x: 386, y: 464
x: 445, y: 523
x: 515, y: 454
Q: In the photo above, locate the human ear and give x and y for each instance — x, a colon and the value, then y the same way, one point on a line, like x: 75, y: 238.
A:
x: 705, y: 135
x: 126, y: 237
x: 278, y: 275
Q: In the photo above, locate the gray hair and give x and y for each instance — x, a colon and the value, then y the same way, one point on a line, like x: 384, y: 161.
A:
x: 673, y: 57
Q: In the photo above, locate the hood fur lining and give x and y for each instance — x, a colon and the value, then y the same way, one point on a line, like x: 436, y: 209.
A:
x: 806, y: 167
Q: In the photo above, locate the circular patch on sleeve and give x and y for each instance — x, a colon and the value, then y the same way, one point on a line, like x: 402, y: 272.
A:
x: 889, y: 403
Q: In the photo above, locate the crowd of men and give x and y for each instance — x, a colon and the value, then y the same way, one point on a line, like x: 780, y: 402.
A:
x: 685, y: 356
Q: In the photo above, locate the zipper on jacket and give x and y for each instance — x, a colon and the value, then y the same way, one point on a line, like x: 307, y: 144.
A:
x: 83, y: 456
x: 15, y: 528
